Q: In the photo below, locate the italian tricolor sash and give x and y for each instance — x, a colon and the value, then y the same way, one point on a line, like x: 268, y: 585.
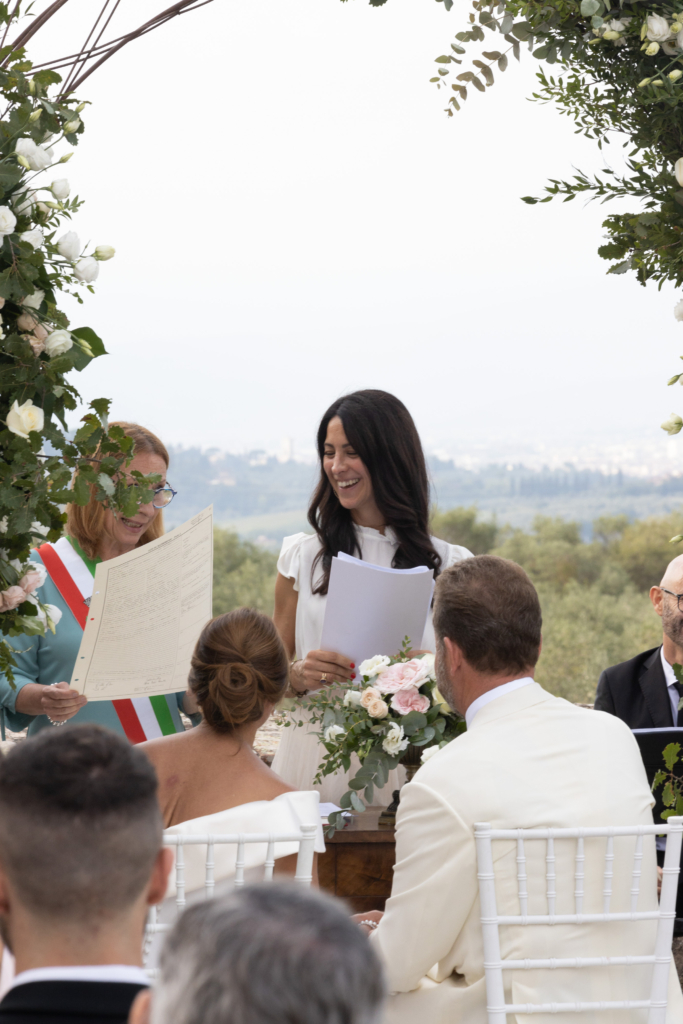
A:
x: 72, y: 572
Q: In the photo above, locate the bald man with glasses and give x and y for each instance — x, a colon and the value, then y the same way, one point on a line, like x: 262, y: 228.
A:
x: 644, y: 691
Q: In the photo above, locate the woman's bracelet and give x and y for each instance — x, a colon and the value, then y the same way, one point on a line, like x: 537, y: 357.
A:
x: 52, y: 722
x: 291, y: 692
x: 369, y: 924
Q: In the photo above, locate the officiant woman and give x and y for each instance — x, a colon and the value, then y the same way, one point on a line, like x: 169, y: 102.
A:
x: 371, y: 501
x: 43, y: 697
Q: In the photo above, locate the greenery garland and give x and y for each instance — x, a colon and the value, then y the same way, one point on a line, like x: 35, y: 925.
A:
x: 38, y: 347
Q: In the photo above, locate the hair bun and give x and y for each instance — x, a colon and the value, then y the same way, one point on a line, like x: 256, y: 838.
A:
x: 239, y: 666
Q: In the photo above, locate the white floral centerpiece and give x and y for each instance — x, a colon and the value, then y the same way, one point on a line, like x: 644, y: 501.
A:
x: 394, y: 714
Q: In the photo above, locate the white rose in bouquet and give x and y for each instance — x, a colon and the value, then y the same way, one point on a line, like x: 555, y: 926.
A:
x: 352, y: 698
x: 34, y: 237
x: 658, y: 28
x: 428, y: 754
x: 60, y: 189
x: 331, y: 733
x: 87, y: 270
x: 34, y: 300
x: 54, y: 614
x: 37, y: 157
x: 57, y: 343
x: 105, y: 252
x: 8, y: 221
x: 394, y: 742
x: 69, y: 246
x: 22, y: 419
x: 25, y: 202
x: 373, y: 666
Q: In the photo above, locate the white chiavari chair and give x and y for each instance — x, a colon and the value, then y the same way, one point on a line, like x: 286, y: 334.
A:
x: 303, y: 875
x: 491, y: 920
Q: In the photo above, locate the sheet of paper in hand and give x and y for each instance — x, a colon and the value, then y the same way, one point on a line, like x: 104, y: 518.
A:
x: 148, y: 608
x: 370, y: 609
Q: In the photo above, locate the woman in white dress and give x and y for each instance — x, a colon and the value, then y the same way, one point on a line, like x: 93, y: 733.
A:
x: 210, y: 778
x: 372, y: 501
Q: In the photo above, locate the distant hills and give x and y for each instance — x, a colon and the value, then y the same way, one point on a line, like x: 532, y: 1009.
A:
x: 265, y: 499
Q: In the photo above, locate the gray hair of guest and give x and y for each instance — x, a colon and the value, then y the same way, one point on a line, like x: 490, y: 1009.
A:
x: 268, y: 954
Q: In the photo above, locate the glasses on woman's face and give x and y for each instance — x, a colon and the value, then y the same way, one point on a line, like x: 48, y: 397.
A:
x: 163, y: 496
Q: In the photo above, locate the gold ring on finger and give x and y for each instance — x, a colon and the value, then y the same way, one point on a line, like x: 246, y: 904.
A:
x: 323, y: 678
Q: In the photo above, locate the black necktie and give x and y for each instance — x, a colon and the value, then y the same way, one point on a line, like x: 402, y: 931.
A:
x: 679, y: 687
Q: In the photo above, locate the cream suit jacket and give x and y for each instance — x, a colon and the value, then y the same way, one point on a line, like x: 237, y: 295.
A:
x: 528, y: 760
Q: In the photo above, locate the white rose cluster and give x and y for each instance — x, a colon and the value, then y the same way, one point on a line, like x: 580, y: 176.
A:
x: 658, y: 33
x: 613, y: 31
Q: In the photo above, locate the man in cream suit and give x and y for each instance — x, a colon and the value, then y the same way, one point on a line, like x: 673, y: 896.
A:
x: 527, y: 759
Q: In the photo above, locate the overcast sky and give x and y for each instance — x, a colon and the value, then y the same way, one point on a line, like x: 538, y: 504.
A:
x: 294, y: 217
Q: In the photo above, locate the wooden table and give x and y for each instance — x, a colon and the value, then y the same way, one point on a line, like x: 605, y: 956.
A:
x: 359, y: 861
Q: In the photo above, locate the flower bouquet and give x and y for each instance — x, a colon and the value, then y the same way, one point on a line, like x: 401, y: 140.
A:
x: 394, y: 714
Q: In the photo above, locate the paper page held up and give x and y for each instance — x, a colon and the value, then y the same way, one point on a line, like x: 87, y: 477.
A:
x: 148, y: 608
x: 371, y: 609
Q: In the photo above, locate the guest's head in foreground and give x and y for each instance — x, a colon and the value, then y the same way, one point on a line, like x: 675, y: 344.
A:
x: 80, y: 849
x: 373, y: 474
x: 97, y: 530
x: 487, y: 620
x: 268, y: 954
x: 239, y: 671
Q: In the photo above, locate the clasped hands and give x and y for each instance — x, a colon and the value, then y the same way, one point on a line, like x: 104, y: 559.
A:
x: 321, y: 668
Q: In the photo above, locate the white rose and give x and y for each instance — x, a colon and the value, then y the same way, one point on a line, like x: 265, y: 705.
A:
x: 612, y: 26
x: 331, y: 733
x: 34, y: 237
x: 428, y: 753
x: 21, y: 419
x: 672, y: 425
x: 57, y: 343
x: 69, y: 246
x: 658, y: 28
x: 25, y: 202
x: 678, y: 310
x: 87, y: 270
x: 352, y: 698
x: 8, y: 221
x: 429, y: 660
x: 105, y: 252
x: 652, y: 49
x: 54, y: 613
x: 60, y: 189
x: 34, y: 300
x: 373, y: 666
x: 394, y: 741
x: 37, y: 157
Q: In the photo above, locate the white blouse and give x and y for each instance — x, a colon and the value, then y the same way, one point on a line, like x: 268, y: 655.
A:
x: 296, y: 562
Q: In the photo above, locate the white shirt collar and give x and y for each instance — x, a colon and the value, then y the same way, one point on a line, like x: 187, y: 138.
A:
x: 90, y: 972
x: 494, y: 694
x: 671, y: 681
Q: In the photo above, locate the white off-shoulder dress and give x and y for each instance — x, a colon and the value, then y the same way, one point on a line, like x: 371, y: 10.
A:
x: 284, y: 814
x: 300, y: 752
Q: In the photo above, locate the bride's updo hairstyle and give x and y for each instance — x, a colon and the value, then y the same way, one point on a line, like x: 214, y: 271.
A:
x: 239, y: 665
x: 383, y: 434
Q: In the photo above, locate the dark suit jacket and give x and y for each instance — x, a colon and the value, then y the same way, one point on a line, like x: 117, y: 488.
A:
x: 68, y: 1002
x: 636, y: 692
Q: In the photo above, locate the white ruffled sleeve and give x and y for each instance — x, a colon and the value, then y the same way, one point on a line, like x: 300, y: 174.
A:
x: 289, y: 562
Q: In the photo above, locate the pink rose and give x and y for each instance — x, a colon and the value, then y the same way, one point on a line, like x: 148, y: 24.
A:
x: 11, y: 598
x: 32, y: 580
x: 409, y: 699
x: 36, y: 344
x: 407, y: 673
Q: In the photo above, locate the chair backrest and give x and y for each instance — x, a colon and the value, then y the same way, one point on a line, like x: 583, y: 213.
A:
x: 491, y: 920
x: 303, y: 875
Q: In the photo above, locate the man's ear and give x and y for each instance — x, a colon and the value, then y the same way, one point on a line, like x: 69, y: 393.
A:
x: 158, y: 882
x: 140, y: 1010
x: 657, y: 597
x: 453, y: 657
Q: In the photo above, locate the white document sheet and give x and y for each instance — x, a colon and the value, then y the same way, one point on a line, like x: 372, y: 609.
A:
x: 370, y: 608
x: 147, y: 610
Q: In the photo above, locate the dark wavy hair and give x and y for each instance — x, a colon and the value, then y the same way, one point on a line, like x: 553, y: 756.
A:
x: 383, y: 434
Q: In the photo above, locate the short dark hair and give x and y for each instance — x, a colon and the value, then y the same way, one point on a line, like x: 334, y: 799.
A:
x: 489, y: 607
x: 80, y: 826
x: 314, y: 964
